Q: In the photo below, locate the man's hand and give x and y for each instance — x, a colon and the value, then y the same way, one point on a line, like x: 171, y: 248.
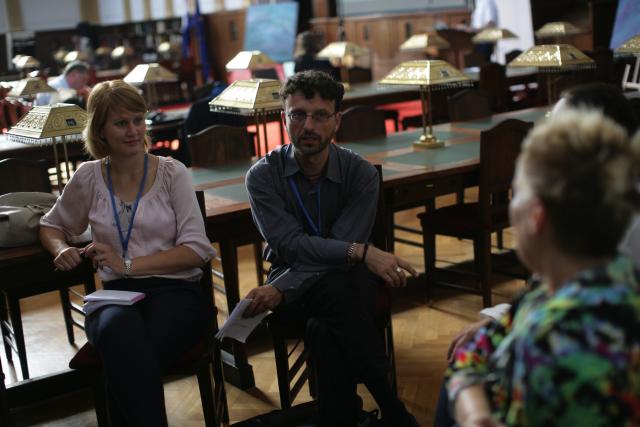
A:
x: 388, y: 266
x: 104, y: 256
x: 464, y: 336
x: 264, y: 298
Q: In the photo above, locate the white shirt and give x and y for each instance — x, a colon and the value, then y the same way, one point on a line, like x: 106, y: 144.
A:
x: 60, y: 84
x: 484, y: 12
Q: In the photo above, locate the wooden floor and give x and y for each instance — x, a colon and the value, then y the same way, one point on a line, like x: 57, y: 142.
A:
x: 422, y: 333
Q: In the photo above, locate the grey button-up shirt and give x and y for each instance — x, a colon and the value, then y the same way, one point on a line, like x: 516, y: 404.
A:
x: 348, y: 195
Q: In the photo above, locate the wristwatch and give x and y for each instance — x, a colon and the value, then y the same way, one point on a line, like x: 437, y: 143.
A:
x: 127, y: 267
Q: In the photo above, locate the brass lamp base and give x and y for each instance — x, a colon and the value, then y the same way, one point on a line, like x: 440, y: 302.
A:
x: 428, y: 141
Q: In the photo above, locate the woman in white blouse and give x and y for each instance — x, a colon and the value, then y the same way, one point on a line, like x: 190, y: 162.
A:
x: 147, y: 236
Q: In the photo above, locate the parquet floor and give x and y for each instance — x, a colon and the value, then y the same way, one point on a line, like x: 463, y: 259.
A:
x: 422, y: 333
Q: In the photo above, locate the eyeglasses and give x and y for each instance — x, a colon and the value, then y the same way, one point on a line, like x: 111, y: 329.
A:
x: 319, y: 117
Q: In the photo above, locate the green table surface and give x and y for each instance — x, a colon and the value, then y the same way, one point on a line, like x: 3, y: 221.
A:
x: 439, y: 156
x: 526, y: 115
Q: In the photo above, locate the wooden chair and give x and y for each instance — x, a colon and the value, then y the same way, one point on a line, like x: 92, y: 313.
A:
x: 493, y: 81
x: 11, y: 112
x: 469, y: 104
x: 361, y: 122
x: 29, y: 175
x: 292, y: 369
x: 203, y: 360
x: 499, y: 148
x: 220, y: 144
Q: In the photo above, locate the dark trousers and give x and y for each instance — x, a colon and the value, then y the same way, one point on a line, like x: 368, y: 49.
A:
x: 137, y: 344
x: 443, y: 416
x: 346, y: 347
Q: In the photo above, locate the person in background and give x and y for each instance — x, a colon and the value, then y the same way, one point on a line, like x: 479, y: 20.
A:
x: 147, y: 236
x: 566, y: 353
x: 315, y: 205
x: 71, y: 85
x: 484, y: 15
x: 305, y: 56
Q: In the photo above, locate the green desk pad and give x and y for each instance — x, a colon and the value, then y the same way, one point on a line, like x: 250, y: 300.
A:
x: 484, y: 124
x: 219, y: 173
x: 439, y: 156
x: 235, y: 192
x: 396, y: 141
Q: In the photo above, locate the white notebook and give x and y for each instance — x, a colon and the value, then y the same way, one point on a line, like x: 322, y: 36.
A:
x: 103, y: 297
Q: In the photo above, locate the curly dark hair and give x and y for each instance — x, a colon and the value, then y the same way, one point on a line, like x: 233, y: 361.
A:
x: 311, y: 82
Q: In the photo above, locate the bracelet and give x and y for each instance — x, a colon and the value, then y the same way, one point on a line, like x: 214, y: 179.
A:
x: 364, y: 253
x: 351, y: 254
x: 127, y: 268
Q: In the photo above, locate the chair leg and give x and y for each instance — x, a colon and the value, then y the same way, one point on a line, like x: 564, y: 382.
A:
x: 257, y: 254
x: 391, y: 355
x: 460, y: 196
x: 282, y: 368
x: 484, y: 244
x: 65, y: 302
x: 500, y: 239
x: 18, y: 334
x: 5, y: 328
x: 205, y: 385
x: 219, y: 393
x: 429, y: 244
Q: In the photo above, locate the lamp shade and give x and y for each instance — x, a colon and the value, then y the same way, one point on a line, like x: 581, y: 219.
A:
x: 343, y: 53
x: 557, y: 29
x: 553, y: 57
x: 424, y: 41
x: 119, y: 52
x: 75, y: 55
x: 149, y: 73
x: 30, y: 87
x: 43, y: 123
x: 248, y: 96
x: 434, y: 73
x: 492, y: 35
x: 630, y: 47
x: 103, y: 51
x: 26, y: 61
x: 249, y: 60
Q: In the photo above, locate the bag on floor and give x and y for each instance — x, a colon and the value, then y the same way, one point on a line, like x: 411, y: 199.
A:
x: 20, y: 215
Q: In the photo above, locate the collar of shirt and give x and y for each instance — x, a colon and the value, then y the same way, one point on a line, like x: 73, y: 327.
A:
x: 332, y: 172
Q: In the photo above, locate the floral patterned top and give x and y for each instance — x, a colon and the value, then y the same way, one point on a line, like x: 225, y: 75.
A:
x: 568, y: 359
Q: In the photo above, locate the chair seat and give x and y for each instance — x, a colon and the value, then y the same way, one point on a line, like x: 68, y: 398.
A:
x: 87, y: 358
x: 464, y: 219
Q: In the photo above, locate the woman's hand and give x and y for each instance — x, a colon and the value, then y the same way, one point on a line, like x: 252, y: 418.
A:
x: 68, y: 258
x: 464, y: 336
x: 105, y: 256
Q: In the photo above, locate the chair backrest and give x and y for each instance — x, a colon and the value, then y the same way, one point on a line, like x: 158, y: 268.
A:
x: 206, y: 281
x: 220, y: 144
x: 493, y: 81
x: 4, y: 124
x: 379, y: 236
x: 499, y: 149
x: 469, y: 104
x: 361, y: 122
x: 359, y: 75
x: 11, y: 112
x: 24, y: 175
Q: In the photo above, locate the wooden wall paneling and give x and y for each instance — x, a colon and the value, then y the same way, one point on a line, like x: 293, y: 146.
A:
x: 328, y: 27
x: 226, y: 38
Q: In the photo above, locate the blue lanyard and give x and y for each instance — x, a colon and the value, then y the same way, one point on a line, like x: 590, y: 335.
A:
x: 124, y: 241
x: 317, y: 229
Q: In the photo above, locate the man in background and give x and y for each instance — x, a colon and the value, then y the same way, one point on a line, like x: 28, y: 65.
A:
x: 71, y: 86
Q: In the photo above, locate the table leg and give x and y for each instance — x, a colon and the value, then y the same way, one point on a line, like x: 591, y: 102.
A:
x: 237, y: 369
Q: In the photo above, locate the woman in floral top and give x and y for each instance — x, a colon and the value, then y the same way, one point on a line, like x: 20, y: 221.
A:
x: 568, y: 352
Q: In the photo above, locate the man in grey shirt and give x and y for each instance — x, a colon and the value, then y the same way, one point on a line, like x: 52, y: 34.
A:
x: 315, y: 203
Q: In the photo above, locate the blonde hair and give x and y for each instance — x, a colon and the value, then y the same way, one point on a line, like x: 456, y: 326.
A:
x: 583, y: 167
x: 105, y: 97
